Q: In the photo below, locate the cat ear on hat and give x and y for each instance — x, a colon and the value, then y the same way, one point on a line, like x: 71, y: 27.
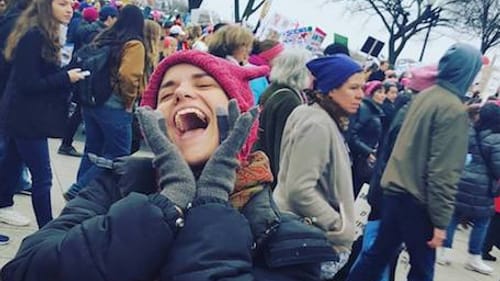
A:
x: 252, y: 72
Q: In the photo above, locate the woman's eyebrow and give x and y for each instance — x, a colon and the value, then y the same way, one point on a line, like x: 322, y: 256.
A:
x: 167, y: 84
x: 200, y: 75
x: 195, y: 76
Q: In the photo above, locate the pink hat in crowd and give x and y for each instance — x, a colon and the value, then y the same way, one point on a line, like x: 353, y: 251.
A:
x: 370, y: 87
x: 423, y: 77
x: 231, y: 77
x: 90, y: 14
x: 265, y: 57
x: 404, y: 81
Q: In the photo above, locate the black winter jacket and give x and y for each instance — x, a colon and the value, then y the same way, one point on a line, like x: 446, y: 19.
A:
x: 475, y: 197
x: 36, y: 98
x: 365, y: 129
x: 277, y: 102
x: 375, y: 194
x: 364, y: 137
x: 7, y: 22
x: 114, y: 230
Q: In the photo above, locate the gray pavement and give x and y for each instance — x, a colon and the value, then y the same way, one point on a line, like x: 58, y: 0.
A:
x: 64, y: 170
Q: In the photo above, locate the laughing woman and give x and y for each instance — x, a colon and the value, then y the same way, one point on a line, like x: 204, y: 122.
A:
x: 213, y: 218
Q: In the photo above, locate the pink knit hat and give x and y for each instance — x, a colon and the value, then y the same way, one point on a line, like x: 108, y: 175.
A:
x: 90, y: 14
x: 265, y: 58
x: 370, y: 87
x: 231, y: 77
x: 423, y: 77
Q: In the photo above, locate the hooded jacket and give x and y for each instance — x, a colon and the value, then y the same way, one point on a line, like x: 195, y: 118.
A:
x: 458, y: 68
x: 430, y: 150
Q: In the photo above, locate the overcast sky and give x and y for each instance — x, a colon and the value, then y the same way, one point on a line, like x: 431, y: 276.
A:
x: 335, y: 17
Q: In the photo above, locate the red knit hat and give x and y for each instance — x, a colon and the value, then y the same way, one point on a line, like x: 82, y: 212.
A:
x: 90, y: 14
x: 231, y: 77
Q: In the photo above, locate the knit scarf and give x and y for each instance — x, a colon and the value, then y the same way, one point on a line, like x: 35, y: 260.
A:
x: 250, y: 179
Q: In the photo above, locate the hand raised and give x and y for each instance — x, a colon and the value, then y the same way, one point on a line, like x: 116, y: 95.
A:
x: 175, y: 177
x: 218, y: 177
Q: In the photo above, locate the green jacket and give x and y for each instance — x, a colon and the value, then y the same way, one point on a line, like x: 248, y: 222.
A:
x: 429, y: 153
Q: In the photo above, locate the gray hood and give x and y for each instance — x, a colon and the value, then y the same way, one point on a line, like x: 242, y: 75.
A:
x: 458, y: 68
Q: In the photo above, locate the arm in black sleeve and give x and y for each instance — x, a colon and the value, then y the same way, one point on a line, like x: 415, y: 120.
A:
x: 98, y: 237
x: 28, y: 64
x: 280, y: 114
x: 356, y: 144
x: 214, y: 244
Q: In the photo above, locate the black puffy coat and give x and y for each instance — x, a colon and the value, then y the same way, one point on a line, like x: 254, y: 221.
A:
x: 120, y: 228
x: 364, y: 136
x: 474, y: 198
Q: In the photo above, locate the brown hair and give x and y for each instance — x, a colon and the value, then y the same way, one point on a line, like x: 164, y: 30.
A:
x: 262, y: 46
x: 152, y: 39
x: 338, y: 115
x: 38, y: 14
x: 228, y: 39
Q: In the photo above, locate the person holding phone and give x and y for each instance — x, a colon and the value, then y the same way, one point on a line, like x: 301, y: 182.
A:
x: 34, y: 106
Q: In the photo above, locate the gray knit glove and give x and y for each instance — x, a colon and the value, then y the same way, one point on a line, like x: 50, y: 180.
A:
x: 175, y: 177
x: 219, y: 175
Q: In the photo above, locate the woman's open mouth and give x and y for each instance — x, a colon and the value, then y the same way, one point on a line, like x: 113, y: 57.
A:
x: 190, y: 121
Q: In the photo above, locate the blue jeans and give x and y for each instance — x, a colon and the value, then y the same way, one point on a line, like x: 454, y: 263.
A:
x: 369, y: 236
x: 404, y: 220
x: 108, y: 134
x: 477, y: 235
x: 35, y: 154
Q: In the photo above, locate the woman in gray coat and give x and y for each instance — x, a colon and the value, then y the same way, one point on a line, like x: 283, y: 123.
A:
x: 478, y: 187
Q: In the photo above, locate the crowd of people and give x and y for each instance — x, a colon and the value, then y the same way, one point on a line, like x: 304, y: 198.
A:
x: 259, y: 152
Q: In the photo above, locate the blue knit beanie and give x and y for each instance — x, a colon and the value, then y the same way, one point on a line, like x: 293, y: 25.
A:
x: 332, y: 71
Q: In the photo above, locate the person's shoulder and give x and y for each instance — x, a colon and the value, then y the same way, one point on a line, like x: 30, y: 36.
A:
x: 312, y: 117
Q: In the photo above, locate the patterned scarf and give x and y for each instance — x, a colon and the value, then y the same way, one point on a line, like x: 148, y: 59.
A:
x: 249, y: 179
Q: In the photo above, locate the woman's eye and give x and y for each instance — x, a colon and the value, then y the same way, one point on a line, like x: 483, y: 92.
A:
x: 165, y: 97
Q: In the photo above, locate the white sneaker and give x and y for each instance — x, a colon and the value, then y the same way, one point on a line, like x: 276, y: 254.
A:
x: 444, y: 256
x: 475, y: 263
x: 9, y: 216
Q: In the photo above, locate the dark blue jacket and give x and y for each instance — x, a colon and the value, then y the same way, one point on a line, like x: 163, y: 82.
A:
x: 113, y: 230
x: 375, y: 194
x: 7, y: 22
x: 36, y: 97
x: 474, y: 198
x: 365, y: 129
x: 364, y: 137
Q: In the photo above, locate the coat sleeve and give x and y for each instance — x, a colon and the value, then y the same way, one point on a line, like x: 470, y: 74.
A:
x: 448, y: 147
x: 279, y: 114
x: 214, y: 244
x: 493, y: 143
x: 99, y: 236
x: 356, y: 144
x: 28, y: 65
x: 131, y: 71
x: 308, y: 159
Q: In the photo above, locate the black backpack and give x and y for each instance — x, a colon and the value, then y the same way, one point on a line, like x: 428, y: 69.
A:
x: 96, y: 89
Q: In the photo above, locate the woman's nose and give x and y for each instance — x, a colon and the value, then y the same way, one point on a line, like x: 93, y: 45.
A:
x: 182, y: 92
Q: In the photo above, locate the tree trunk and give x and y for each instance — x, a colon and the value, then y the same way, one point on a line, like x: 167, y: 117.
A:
x: 392, y: 51
x: 237, y: 11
